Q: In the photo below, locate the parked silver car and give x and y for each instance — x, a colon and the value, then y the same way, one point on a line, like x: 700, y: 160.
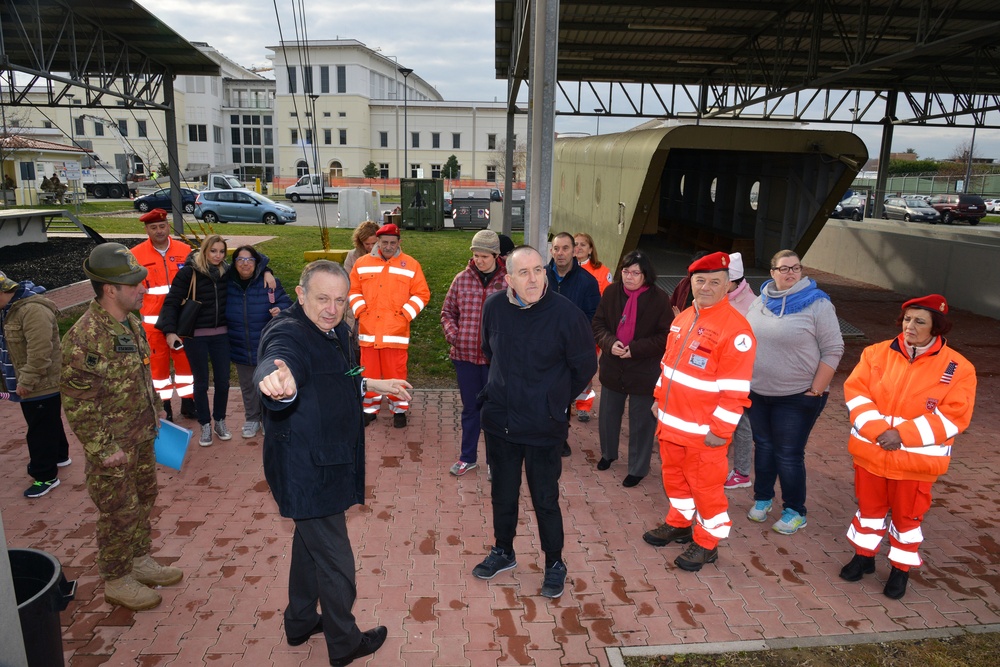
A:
x: 240, y: 206
x: 910, y: 209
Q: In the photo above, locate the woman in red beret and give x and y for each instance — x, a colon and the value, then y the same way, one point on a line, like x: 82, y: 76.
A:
x: 908, y: 397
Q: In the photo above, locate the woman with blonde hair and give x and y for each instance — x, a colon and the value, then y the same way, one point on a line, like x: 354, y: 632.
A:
x: 364, y: 240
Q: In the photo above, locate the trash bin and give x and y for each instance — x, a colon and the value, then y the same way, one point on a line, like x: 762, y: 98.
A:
x: 42, y: 592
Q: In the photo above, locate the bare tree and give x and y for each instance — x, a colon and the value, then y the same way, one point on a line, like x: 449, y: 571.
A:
x: 498, y: 160
x: 961, y: 152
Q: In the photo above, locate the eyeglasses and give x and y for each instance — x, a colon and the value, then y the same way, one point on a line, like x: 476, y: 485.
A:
x: 245, y: 260
x: 785, y: 269
x: 632, y: 274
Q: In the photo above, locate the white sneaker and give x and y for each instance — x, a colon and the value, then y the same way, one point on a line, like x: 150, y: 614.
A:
x: 63, y: 464
x: 250, y: 429
x: 222, y: 431
x: 206, y: 435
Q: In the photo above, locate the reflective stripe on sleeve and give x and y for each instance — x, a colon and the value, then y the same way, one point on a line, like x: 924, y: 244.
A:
x: 681, y: 425
x: 726, y: 416
x: 402, y: 272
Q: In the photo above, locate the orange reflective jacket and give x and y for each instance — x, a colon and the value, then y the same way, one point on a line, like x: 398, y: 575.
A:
x: 385, y: 296
x: 162, y: 269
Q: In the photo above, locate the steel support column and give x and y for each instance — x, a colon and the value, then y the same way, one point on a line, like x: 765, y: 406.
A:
x: 544, y: 52
x: 173, y: 160
x: 508, y: 178
x: 884, y: 152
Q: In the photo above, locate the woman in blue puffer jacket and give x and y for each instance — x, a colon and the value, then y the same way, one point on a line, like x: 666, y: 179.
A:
x: 249, y: 307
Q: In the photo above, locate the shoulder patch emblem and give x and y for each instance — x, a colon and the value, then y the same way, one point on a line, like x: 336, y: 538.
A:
x: 91, y: 360
x: 743, y: 343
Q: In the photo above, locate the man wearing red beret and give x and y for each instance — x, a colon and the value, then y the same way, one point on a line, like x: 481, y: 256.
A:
x: 163, y: 256
x: 702, y: 391
x: 388, y: 291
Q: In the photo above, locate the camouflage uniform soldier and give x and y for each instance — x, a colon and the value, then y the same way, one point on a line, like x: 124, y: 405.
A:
x: 111, y: 405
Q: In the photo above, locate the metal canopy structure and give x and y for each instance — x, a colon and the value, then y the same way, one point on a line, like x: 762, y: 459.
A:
x: 104, y: 50
x: 877, y: 62
x: 788, y: 59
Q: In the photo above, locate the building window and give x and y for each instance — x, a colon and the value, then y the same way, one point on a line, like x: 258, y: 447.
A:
x: 491, y: 142
x: 235, y: 136
x: 383, y: 139
x: 414, y: 170
x: 327, y: 137
x: 301, y: 169
x: 414, y: 140
x: 236, y: 155
x: 216, y: 134
x: 343, y: 137
x: 292, y: 86
x: 341, y: 79
x: 293, y: 114
x: 98, y: 130
x: 295, y: 136
x: 324, y: 79
x: 79, y: 127
x: 47, y: 124
x: 341, y: 114
x: 456, y: 140
x: 336, y: 170
x: 234, y: 119
x: 143, y: 133
x: 326, y: 114
x: 268, y: 136
x: 27, y: 171
x: 435, y: 171
x: 435, y: 140
x: 269, y: 155
x: 309, y: 136
x: 247, y: 136
x: 307, y: 80
x: 383, y: 170
x: 267, y: 120
x: 123, y: 127
x: 197, y: 133
x: 491, y: 173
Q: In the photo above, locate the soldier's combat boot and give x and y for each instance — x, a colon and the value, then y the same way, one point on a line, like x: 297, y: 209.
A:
x: 147, y: 571
x: 129, y: 593
x: 169, y: 409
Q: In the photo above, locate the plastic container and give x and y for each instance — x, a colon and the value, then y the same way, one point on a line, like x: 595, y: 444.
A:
x: 42, y: 592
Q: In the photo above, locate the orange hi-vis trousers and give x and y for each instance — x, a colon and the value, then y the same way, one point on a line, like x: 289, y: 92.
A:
x: 693, y: 478
x: 384, y: 364
x: 159, y: 366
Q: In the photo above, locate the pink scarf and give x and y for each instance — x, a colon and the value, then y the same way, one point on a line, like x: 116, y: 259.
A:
x: 626, y: 325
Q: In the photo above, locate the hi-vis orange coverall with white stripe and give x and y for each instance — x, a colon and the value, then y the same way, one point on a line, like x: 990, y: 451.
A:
x: 929, y: 401
x: 385, y: 296
x: 704, y: 387
x: 161, y: 271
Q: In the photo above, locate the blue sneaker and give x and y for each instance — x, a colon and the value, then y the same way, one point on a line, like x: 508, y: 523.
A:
x: 496, y: 562
x: 789, y: 522
x: 554, y: 581
x: 759, y: 511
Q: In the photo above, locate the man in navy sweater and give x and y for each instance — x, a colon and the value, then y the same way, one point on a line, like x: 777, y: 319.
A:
x: 566, y: 277
x: 541, y: 353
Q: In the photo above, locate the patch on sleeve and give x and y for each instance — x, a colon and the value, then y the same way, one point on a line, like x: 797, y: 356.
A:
x: 743, y: 343
x: 931, y: 404
x: 91, y: 361
x: 77, y: 385
x: 949, y: 373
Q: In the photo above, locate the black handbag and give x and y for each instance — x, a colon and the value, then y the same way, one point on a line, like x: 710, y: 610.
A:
x: 190, y: 306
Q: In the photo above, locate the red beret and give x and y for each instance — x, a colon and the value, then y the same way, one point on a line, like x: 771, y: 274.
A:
x: 930, y: 302
x: 388, y: 230
x: 717, y: 261
x: 156, y: 215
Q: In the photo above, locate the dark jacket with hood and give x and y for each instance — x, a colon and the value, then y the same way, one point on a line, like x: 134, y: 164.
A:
x: 248, y: 310
x: 210, y: 290
x: 577, y: 285
x: 541, y: 357
x: 314, y: 445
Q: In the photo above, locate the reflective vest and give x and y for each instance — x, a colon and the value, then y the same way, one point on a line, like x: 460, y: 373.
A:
x: 162, y: 269
x: 604, y: 276
x: 929, y: 400
x: 385, y: 296
x: 704, y: 383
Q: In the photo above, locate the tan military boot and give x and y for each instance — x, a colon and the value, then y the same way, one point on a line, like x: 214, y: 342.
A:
x: 129, y: 593
x: 147, y: 571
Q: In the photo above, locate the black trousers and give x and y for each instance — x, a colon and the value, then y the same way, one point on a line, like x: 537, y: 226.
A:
x: 322, y: 571
x: 542, y: 468
x: 47, y: 444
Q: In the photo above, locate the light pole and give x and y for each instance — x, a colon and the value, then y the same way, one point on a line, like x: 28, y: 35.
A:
x: 598, y: 112
x: 406, y: 72
x: 968, y: 163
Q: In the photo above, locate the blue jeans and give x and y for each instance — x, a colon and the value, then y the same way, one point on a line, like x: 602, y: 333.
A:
x: 199, y: 350
x: 471, y: 380
x: 781, y: 426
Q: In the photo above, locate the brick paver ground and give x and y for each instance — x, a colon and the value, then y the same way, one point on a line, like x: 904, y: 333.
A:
x: 423, y: 530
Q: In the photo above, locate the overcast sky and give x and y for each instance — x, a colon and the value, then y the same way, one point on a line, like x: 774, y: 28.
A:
x: 450, y: 44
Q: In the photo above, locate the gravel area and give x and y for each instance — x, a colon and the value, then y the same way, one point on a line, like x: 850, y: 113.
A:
x: 56, y: 263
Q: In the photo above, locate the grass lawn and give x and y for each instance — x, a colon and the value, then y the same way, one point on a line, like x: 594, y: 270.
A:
x: 441, y: 255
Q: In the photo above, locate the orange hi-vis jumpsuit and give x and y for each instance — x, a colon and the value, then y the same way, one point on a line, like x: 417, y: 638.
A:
x: 704, y: 387
x: 161, y: 271
x: 604, y: 277
x: 385, y: 296
x: 928, y: 400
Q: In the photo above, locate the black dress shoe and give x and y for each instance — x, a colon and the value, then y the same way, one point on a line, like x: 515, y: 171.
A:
x: 604, y: 463
x: 631, y: 480
x: 566, y: 451
x: 299, y: 641
x: 895, y: 588
x: 371, y: 641
x: 399, y: 420
x: 370, y: 418
x: 858, y: 567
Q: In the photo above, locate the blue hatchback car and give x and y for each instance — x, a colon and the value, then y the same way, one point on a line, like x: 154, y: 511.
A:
x: 161, y: 199
x: 240, y: 206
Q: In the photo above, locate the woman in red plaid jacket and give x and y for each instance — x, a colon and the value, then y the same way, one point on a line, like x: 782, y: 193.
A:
x: 461, y: 318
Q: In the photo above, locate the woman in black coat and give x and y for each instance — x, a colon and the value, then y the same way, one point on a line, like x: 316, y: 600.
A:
x: 630, y: 327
